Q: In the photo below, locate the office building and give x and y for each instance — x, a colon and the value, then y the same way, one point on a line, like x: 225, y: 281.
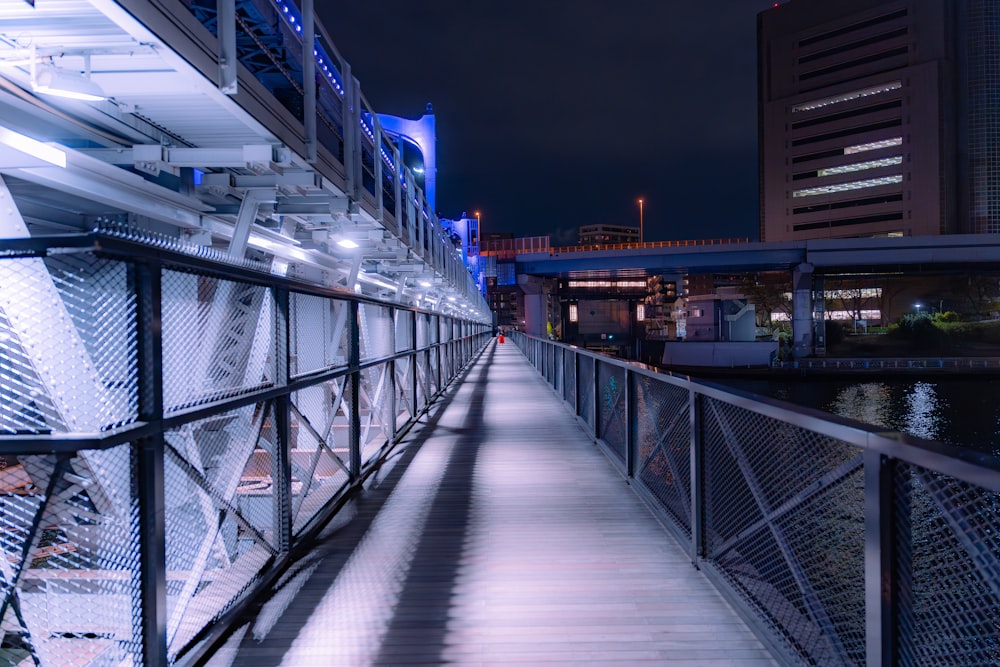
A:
x: 879, y: 118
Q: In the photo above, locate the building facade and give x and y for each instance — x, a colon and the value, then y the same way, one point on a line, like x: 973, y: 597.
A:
x: 608, y: 234
x: 879, y: 118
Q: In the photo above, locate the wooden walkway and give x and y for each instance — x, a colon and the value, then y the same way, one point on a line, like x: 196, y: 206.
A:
x: 501, y: 535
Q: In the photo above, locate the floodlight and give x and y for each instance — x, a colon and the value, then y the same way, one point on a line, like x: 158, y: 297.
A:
x: 51, y: 80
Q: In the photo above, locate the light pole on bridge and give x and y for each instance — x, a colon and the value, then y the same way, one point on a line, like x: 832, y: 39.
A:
x: 640, y: 221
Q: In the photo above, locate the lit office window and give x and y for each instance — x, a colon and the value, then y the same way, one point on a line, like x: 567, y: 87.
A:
x: 847, y: 97
x: 844, y: 187
x: 574, y: 313
x: 873, y: 145
x: 640, y: 312
x: 860, y: 166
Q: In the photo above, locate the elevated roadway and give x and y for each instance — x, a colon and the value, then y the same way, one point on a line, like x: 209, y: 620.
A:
x: 930, y: 253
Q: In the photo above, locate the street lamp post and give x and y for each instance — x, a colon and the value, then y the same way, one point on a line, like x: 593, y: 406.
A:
x: 479, y: 233
x: 640, y: 221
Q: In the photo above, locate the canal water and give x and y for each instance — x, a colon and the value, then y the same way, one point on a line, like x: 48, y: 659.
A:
x: 964, y: 411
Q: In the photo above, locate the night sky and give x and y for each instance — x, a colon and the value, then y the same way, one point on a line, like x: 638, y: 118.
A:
x: 555, y: 114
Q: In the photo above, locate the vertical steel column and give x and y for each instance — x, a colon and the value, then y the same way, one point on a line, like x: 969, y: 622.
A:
x: 355, y: 383
x: 696, y: 410
x: 309, y: 79
x: 226, y: 26
x: 880, y: 593
x: 281, y: 472
x: 148, y: 485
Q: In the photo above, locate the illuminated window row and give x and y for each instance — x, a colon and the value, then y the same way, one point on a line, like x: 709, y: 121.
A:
x: 860, y: 293
x: 844, y: 187
x: 607, y: 283
x: 872, y: 314
x: 873, y: 145
x: 860, y: 166
x: 847, y: 97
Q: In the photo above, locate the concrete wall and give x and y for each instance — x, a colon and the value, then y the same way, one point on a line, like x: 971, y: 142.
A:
x: 723, y: 355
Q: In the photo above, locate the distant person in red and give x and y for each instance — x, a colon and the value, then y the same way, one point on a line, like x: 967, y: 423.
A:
x: 500, y: 337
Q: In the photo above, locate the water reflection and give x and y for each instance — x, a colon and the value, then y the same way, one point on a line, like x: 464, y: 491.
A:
x: 868, y: 402
x: 962, y: 411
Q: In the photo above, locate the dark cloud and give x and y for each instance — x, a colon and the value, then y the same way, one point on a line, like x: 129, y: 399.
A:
x: 555, y: 114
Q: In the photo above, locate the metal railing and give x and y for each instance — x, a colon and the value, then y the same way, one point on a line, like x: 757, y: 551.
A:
x: 173, y: 428
x: 839, y: 544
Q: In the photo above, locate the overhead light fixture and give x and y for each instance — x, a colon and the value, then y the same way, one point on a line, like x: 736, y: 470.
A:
x: 424, y: 283
x: 347, y: 243
x: 51, y: 80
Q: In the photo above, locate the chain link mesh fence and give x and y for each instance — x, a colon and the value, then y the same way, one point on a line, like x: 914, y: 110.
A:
x: 613, y: 423
x: 782, y: 514
x: 784, y: 523
x: 218, y: 339
x: 319, y: 336
x: 663, y: 446
x: 217, y: 541
x: 949, y: 560
x: 69, y: 336
x: 585, y: 388
x: 320, y: 449
x: 69, y: 572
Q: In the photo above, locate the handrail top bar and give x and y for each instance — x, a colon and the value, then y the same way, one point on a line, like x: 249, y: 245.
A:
x: 175, y: 257
x: 958, y: 461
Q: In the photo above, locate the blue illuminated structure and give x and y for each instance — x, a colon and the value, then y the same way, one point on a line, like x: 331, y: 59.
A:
x: 422, y: 134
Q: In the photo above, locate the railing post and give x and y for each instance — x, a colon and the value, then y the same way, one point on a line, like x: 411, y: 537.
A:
x: 576, y: 383
x: 148, y: 482
x: 631, y: 424
x: 355, y: 384
x: 281, y: 473
x: 696, y: 420
x: 880, y: 594
x: 596, y: 385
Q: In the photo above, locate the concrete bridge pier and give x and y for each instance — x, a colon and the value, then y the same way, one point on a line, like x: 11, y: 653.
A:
x: 535, y: 310
x: 803, y: 338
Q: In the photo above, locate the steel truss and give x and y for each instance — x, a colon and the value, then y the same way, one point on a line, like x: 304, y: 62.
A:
x: 172, y: 427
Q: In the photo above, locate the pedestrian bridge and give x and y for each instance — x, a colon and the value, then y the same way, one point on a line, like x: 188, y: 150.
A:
x: 206, y: 462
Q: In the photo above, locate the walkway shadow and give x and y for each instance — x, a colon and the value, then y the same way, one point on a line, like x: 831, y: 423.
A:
x: 267, y: 631
x: 425, y: 602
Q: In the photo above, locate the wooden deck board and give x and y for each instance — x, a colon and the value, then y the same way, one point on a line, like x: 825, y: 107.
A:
x: 502, y: 536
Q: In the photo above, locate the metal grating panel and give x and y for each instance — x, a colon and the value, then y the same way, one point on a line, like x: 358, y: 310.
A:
x: 663, y: 445
x: 949, y: 570
x: 69, y: 336
x: 215, y: 552
x: 75, y: 519
x: 404, y: 392
x: 375, y: 328
x: 614, y: 420
x: 218, y: 339
x: 784, y: 523
x: 586, y: 390
x: 404, y: 330
x: 423, y: 327
x: 375, y: 411
x: 320, y: 449
x: 569, y: 374
x: 319, y: 337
